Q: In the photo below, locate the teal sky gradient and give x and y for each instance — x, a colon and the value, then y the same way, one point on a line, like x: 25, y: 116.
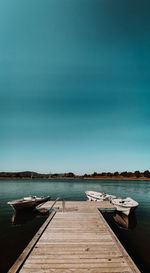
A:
x: 74, y: 85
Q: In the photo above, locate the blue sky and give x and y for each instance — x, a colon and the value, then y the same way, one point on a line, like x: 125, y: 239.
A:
x: 74, y: 85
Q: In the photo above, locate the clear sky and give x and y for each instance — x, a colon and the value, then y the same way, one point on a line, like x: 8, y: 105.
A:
x: 74, y: 85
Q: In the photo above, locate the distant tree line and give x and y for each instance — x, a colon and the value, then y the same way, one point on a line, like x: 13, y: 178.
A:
x: 32, y: 175
x: 137, y: 174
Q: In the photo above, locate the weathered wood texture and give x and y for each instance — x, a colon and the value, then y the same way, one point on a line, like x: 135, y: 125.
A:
x: 78, y: 241
x: 19, y: 262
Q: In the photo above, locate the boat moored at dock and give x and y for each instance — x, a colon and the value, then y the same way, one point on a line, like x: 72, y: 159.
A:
x: 99, y: 196
x: 27, y: 203
x: 126, y: 206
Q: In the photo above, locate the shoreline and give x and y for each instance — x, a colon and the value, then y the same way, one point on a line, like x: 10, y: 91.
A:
x: 80, y: 177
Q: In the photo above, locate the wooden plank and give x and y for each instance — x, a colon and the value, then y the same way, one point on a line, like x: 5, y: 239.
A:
x: 84, y: 246
x: 73, y: 260
x: 74, y: 270
x: 88, y: 229
x: 75, y: 265
x: 92, y: 254
x: 76, y: 224
x: 76, y: 236
x: 72, y: 251
x: 73, y: 242
x: 92, y: 214
x: 63, y: 248
x: 80, y: 205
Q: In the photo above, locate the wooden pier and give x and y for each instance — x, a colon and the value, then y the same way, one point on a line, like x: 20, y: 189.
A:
x: 77, y: 240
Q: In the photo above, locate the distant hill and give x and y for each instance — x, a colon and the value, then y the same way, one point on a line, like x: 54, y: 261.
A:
x: 25, y: 174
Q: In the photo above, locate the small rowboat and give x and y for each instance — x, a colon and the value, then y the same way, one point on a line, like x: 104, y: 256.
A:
x: 27, y: 203
x: 126, y: 206
x: 99, y: 196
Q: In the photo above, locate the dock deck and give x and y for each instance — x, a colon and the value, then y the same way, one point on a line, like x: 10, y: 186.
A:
x: 77, y: 240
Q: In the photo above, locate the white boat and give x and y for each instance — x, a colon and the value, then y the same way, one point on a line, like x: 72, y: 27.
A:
x: 27, y: 203
x: 99, y: 196
x: 126, y: 206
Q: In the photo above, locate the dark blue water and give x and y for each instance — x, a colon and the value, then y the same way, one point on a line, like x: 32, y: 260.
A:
x: 14, y: 237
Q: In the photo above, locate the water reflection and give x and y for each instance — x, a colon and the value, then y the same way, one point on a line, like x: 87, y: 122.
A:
x: 124, y: 221
x: 24, y: 217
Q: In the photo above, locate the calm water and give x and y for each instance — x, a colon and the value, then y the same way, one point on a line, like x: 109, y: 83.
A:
x: 14, y: 237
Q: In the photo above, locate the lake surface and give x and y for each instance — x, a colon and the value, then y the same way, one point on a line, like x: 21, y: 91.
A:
x: 15, y: 236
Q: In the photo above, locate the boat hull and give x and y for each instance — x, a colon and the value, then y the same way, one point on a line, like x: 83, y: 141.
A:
x: 27, y: 205
x: 92, y: 198
x: 98, y: 196
x: 21, y: 207
x: 126, y: 206
x: 125, y: 211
